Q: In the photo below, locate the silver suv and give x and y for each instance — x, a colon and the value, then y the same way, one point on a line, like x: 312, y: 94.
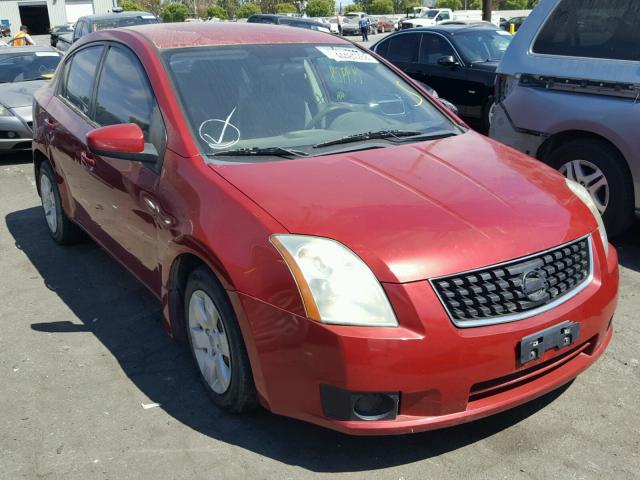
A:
x: 568, y: 93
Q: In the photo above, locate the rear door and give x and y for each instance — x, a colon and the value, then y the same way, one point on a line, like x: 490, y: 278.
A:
x: 402, y: 50
x: 68, y: 125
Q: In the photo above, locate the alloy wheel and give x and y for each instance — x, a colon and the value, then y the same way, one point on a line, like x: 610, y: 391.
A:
x: 209, y: 341
x: 49, y: 204
x: 590, y: 177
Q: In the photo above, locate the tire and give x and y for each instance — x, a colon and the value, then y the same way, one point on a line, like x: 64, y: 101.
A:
x: 60, y: 227
x: 486, y: 114
x: 212, y: 330
x: 582, y: 158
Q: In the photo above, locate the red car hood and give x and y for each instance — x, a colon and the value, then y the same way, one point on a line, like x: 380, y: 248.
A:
x: 421, y: 210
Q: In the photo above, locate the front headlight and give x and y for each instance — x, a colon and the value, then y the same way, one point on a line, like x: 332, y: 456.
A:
x: 336, y: 286
x: 4, y: 112
x: 583, y: 194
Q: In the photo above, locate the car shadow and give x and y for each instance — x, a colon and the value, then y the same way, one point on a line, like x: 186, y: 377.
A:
x: 115, y: 308
x: 628, y: 246
x: 17, y: 157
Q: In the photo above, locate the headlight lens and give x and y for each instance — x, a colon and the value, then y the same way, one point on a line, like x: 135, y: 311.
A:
x: 583, y: 194
x: 4, y: 112
x: 336, y: 286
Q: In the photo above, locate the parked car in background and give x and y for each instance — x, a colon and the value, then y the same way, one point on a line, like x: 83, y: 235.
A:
x: 515, y: 21
x: 459, y: 61
x: 430, y: 17
x: 567, y: 93
x: 299, y: 22
x: 57, y: 31
x: 23, y: 70
x: 384, y: 24
x: 350, y: 27
x: 95, y: 23
x: 328, y: 241
x: 354, y: 17
x: 333, y: 25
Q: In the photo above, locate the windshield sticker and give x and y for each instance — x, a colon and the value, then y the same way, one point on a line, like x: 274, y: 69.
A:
x: 219, y: 134
x: 342, y: 54
x: 46, y: 54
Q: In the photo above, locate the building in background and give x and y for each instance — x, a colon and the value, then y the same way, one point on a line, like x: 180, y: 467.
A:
x: 40, y: 15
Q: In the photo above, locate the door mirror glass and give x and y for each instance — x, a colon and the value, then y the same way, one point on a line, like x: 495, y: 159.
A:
x: 447, y: 61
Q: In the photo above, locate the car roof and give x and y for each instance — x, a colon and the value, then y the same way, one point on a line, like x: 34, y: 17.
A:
x: 108, y: 16
x: 181, y: 35
x: 31, y: 48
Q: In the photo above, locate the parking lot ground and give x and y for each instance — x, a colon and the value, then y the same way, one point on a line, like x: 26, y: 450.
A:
x: 82, y: 351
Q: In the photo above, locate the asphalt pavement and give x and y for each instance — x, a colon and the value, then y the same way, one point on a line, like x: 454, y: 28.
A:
x: 92, y: 388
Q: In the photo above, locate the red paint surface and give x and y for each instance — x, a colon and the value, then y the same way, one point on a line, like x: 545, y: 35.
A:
x: 410, y: 212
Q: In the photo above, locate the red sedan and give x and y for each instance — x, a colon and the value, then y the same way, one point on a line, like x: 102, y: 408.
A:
x: 329, y: 241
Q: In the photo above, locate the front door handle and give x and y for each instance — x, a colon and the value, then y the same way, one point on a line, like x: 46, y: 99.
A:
x: 87, y: 160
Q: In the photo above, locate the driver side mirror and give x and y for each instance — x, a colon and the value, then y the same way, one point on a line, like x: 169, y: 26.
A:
x: 124, y: 141
x: 448, y: 61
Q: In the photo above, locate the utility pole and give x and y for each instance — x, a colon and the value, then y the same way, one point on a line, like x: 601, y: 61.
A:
x: 486, y: 10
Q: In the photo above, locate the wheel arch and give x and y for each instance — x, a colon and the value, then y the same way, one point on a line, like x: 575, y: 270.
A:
x: 557, y: 139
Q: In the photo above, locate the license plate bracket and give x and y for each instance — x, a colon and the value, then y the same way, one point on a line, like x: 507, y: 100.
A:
x: 533, y: 347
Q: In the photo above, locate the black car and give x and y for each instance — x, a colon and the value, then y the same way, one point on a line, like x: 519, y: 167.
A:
x: 57, y: 31
x: 290, y: 21
x: 459, y: 61
x: 516, y: 21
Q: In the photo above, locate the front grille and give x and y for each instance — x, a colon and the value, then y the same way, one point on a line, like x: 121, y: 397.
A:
x: 517, y: 289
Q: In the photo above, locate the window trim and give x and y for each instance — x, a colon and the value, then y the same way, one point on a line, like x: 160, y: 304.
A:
x: 62, y: 84
x: 543, y: 24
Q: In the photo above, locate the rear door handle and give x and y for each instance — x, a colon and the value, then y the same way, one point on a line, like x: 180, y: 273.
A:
x: 87, y: 160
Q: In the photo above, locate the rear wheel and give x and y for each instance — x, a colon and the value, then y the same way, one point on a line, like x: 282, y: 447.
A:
x: 599, y: 168
x: 217, y: 345
x: 61, y: 228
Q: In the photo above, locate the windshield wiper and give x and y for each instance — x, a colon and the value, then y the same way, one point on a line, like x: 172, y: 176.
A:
x: 379, y: 135
x: 257, y: 151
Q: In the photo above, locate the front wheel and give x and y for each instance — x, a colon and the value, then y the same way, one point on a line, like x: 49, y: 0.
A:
x: 599, y: 168
x: 217, y: 345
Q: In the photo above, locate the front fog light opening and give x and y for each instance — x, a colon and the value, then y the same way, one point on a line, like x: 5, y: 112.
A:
x: 342, y: 404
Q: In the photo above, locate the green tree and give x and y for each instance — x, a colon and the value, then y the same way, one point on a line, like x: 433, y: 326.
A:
x: 381, y: 7
x: 513, y: 4
x: 130, y: 5
x: 216, y: 11
x: 174, y: 12
x: 229, y: 6
x: 247, y: 9
x: 401, y: 6
x: 320, y: 8
x: 286, y: 8
x: 452, y: 4
x: 352, y: 7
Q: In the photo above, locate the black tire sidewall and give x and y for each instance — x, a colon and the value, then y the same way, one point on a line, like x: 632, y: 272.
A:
x: 241, y: 395
x: 619, y: 213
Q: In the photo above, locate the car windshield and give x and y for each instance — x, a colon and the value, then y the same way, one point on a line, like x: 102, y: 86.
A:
x: 483, y: 45
x: 117, y: 22
x: 295, y: 97
x: 25, y: 66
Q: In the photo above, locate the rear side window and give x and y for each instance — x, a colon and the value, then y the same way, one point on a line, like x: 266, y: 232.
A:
x: 592, y: 29
x: 81, y: 74
x: 124, y: 94
x: 404, y: 48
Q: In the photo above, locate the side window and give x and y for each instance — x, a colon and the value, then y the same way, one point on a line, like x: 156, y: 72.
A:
x: 82, y: 70
x: 125, y: 96
x: 434, y: 47
x: 404, y: 48
x: 81, y: 30
x: 443, y: 16
x: 383, y: 49
x: 593, y: 29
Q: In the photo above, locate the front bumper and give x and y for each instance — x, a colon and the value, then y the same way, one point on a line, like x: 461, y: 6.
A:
x: 15, y: 132
x: 442, y: 375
